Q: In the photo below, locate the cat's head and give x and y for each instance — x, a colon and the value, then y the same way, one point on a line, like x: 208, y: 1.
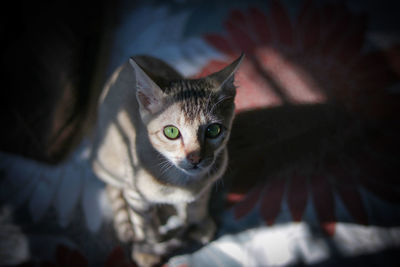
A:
x: 189, y: 120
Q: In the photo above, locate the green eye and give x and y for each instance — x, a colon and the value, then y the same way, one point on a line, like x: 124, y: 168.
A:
x: 213, y: 130
x: 171, y: 132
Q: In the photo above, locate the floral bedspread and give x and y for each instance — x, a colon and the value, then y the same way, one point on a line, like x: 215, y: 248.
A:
x: 314, y: 152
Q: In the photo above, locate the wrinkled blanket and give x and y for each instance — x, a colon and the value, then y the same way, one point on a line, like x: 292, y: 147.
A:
x: 314, y: 152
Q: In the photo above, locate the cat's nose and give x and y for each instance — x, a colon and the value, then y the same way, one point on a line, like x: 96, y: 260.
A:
x: 194, y: 158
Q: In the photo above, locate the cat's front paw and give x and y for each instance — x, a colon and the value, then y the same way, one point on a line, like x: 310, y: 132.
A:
x: 144, y: 258
x: 203, y: 232
x: 124, y: 232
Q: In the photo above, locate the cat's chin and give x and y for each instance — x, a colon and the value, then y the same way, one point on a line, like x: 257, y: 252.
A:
x: 195, y: 171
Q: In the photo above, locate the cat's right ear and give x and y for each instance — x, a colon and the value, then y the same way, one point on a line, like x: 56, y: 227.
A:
x: 148, y: 93
x: 224, y: 78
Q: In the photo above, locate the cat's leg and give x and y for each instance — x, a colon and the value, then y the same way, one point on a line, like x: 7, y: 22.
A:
x: 199, y: 217
x: 131, y: 215
x: 196, y: 216
x: 122, y: 222
x: 145, y: 257
x: 145, y: 224
x: 143, y: 217
x: 134, y: 221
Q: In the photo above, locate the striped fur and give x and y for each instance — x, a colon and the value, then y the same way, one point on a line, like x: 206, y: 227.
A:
x: 158, y: 194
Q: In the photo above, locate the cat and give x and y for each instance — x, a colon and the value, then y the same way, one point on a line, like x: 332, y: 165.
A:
x: 160, y: 144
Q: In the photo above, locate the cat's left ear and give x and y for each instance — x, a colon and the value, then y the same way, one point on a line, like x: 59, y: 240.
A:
x: 224, y: 78
x: 148, y: 93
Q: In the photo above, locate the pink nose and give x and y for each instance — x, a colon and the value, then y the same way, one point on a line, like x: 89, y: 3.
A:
x: 194, y: 157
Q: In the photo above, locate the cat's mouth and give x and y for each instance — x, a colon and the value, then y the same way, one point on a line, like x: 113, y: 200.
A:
x: 196, y: 169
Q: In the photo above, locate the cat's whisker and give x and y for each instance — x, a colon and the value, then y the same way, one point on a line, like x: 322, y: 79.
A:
x: 165, y: 171
x: 164, y: 164
x: 216, y: 186
x: 166, y: 167
x: 222, y: 181
x: 161, y: 157
x: 161, y: 163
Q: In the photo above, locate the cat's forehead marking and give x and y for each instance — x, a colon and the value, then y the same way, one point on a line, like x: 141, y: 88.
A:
x: 195, y: 98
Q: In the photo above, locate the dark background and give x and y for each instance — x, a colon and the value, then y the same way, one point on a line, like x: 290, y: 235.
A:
x: 51, y: 54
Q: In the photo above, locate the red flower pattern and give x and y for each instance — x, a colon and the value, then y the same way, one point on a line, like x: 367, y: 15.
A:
x: 317, y: 59
x: 327, y: 43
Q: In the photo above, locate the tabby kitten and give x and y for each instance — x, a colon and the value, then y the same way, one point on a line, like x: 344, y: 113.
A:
x: 161, y: 139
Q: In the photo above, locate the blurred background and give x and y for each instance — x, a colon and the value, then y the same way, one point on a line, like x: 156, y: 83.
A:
x: 314, y: 161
